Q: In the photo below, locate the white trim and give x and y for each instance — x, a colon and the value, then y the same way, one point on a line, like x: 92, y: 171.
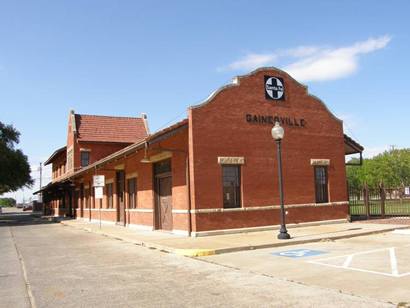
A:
x: 104, y: 222
x: 140, y: 227
x: 161, y: 156
x: 85, y: 150
x: 236, y: 82
x: 179, y: 211
x: 266, y: 228
x: 131, y: 175
x: 319, y: 162
x: 102, y: 210
x: 230, y: 160
x: 267, y: 207
x: 140, y: 210
x: 180, y: 232
x: 119, y: 167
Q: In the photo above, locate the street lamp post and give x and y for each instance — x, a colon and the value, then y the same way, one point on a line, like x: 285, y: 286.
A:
x: 277, y: 134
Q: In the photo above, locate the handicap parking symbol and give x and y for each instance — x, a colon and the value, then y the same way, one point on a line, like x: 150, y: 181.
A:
x: 299, y: 253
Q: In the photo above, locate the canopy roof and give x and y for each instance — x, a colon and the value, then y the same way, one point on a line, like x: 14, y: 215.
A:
x: 351, y: 146
x: 56, y: 153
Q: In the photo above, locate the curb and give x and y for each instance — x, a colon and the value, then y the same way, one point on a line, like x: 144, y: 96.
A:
x: 194, y: 252
x: 197, y: 252
x: 299, y: 242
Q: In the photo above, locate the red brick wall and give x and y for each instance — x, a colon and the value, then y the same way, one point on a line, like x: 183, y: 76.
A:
x: 98, y: 150
x: 145, y: 188
x: 219, y: 128
x: 246, y: 219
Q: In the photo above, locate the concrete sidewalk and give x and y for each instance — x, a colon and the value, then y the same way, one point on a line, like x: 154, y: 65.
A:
x: 217, y: 244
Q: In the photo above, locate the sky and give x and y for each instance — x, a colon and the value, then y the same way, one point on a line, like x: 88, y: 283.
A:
x: 159, y: 57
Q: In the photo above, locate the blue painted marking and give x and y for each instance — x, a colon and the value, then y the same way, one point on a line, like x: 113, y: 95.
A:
x: 299, y: 253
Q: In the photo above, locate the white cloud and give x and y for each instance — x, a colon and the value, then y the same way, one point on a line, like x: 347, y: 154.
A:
x: 314, y: 63
x: 250, y: 61
x: 299, y: 52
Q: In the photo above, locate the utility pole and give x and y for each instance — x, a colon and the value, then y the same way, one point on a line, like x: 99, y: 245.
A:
x: 41, y: 173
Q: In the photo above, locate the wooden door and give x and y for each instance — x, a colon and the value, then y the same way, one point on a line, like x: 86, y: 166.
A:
x: 164, y: 203
x: 120, y: 197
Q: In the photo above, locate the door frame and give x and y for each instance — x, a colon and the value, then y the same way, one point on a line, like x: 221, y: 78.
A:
x: 157, y: 208
x: 118, y: 220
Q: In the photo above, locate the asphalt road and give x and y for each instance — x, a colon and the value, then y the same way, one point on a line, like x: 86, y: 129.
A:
x: 49, y: 265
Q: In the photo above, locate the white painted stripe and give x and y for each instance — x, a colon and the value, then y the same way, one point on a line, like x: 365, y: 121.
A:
x: 347, y: 262
x: 355, y: 269
x: 393, y: 262
x: 353, y: 254
x: 401, y: 231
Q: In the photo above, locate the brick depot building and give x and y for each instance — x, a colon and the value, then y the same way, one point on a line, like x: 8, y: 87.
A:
x: 215, y: 170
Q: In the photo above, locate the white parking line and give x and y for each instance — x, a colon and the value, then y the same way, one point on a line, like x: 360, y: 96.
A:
x: 348, y: 260
x: 393, y: 262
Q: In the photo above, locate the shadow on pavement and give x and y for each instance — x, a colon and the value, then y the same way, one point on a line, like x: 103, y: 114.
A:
x: 13, y: 219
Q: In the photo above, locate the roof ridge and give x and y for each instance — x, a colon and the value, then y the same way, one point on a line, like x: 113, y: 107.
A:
x: 107, y: 116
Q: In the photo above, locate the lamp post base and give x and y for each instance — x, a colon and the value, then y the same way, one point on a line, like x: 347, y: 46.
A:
x: 284, y: 236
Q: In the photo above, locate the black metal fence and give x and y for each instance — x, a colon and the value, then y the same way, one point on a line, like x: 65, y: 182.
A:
x: 382, y: 202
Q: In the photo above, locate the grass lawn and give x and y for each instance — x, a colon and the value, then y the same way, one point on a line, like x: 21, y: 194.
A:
x: 392, y: 207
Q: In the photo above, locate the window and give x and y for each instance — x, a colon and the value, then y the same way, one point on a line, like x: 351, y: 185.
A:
x: 163, y: 166
x: 231, y: 176
x: 109, y: 192
x: 321, y: 184
x: 132, y: 193
x: 85, y: 158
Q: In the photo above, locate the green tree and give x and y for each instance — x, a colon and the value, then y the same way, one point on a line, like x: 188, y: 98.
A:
x: 7, y: 202
x: 14, y: 166
x: 391, y: 167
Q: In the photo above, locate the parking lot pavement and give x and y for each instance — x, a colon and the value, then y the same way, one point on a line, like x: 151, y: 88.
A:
x: 68, y: 267
x: 374, y: 266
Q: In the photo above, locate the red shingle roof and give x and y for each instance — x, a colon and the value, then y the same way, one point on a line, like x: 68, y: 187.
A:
x: 109, y: 129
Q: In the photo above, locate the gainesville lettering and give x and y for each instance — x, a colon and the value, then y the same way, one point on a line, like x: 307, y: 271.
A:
x: 267, y: 119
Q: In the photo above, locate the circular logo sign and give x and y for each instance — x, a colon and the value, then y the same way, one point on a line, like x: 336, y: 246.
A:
x: 274, y: 88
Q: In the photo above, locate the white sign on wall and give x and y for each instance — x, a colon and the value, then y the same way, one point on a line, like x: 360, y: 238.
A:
x: 407, y: 190
x: 98, y: 193
x: 98, y: 180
